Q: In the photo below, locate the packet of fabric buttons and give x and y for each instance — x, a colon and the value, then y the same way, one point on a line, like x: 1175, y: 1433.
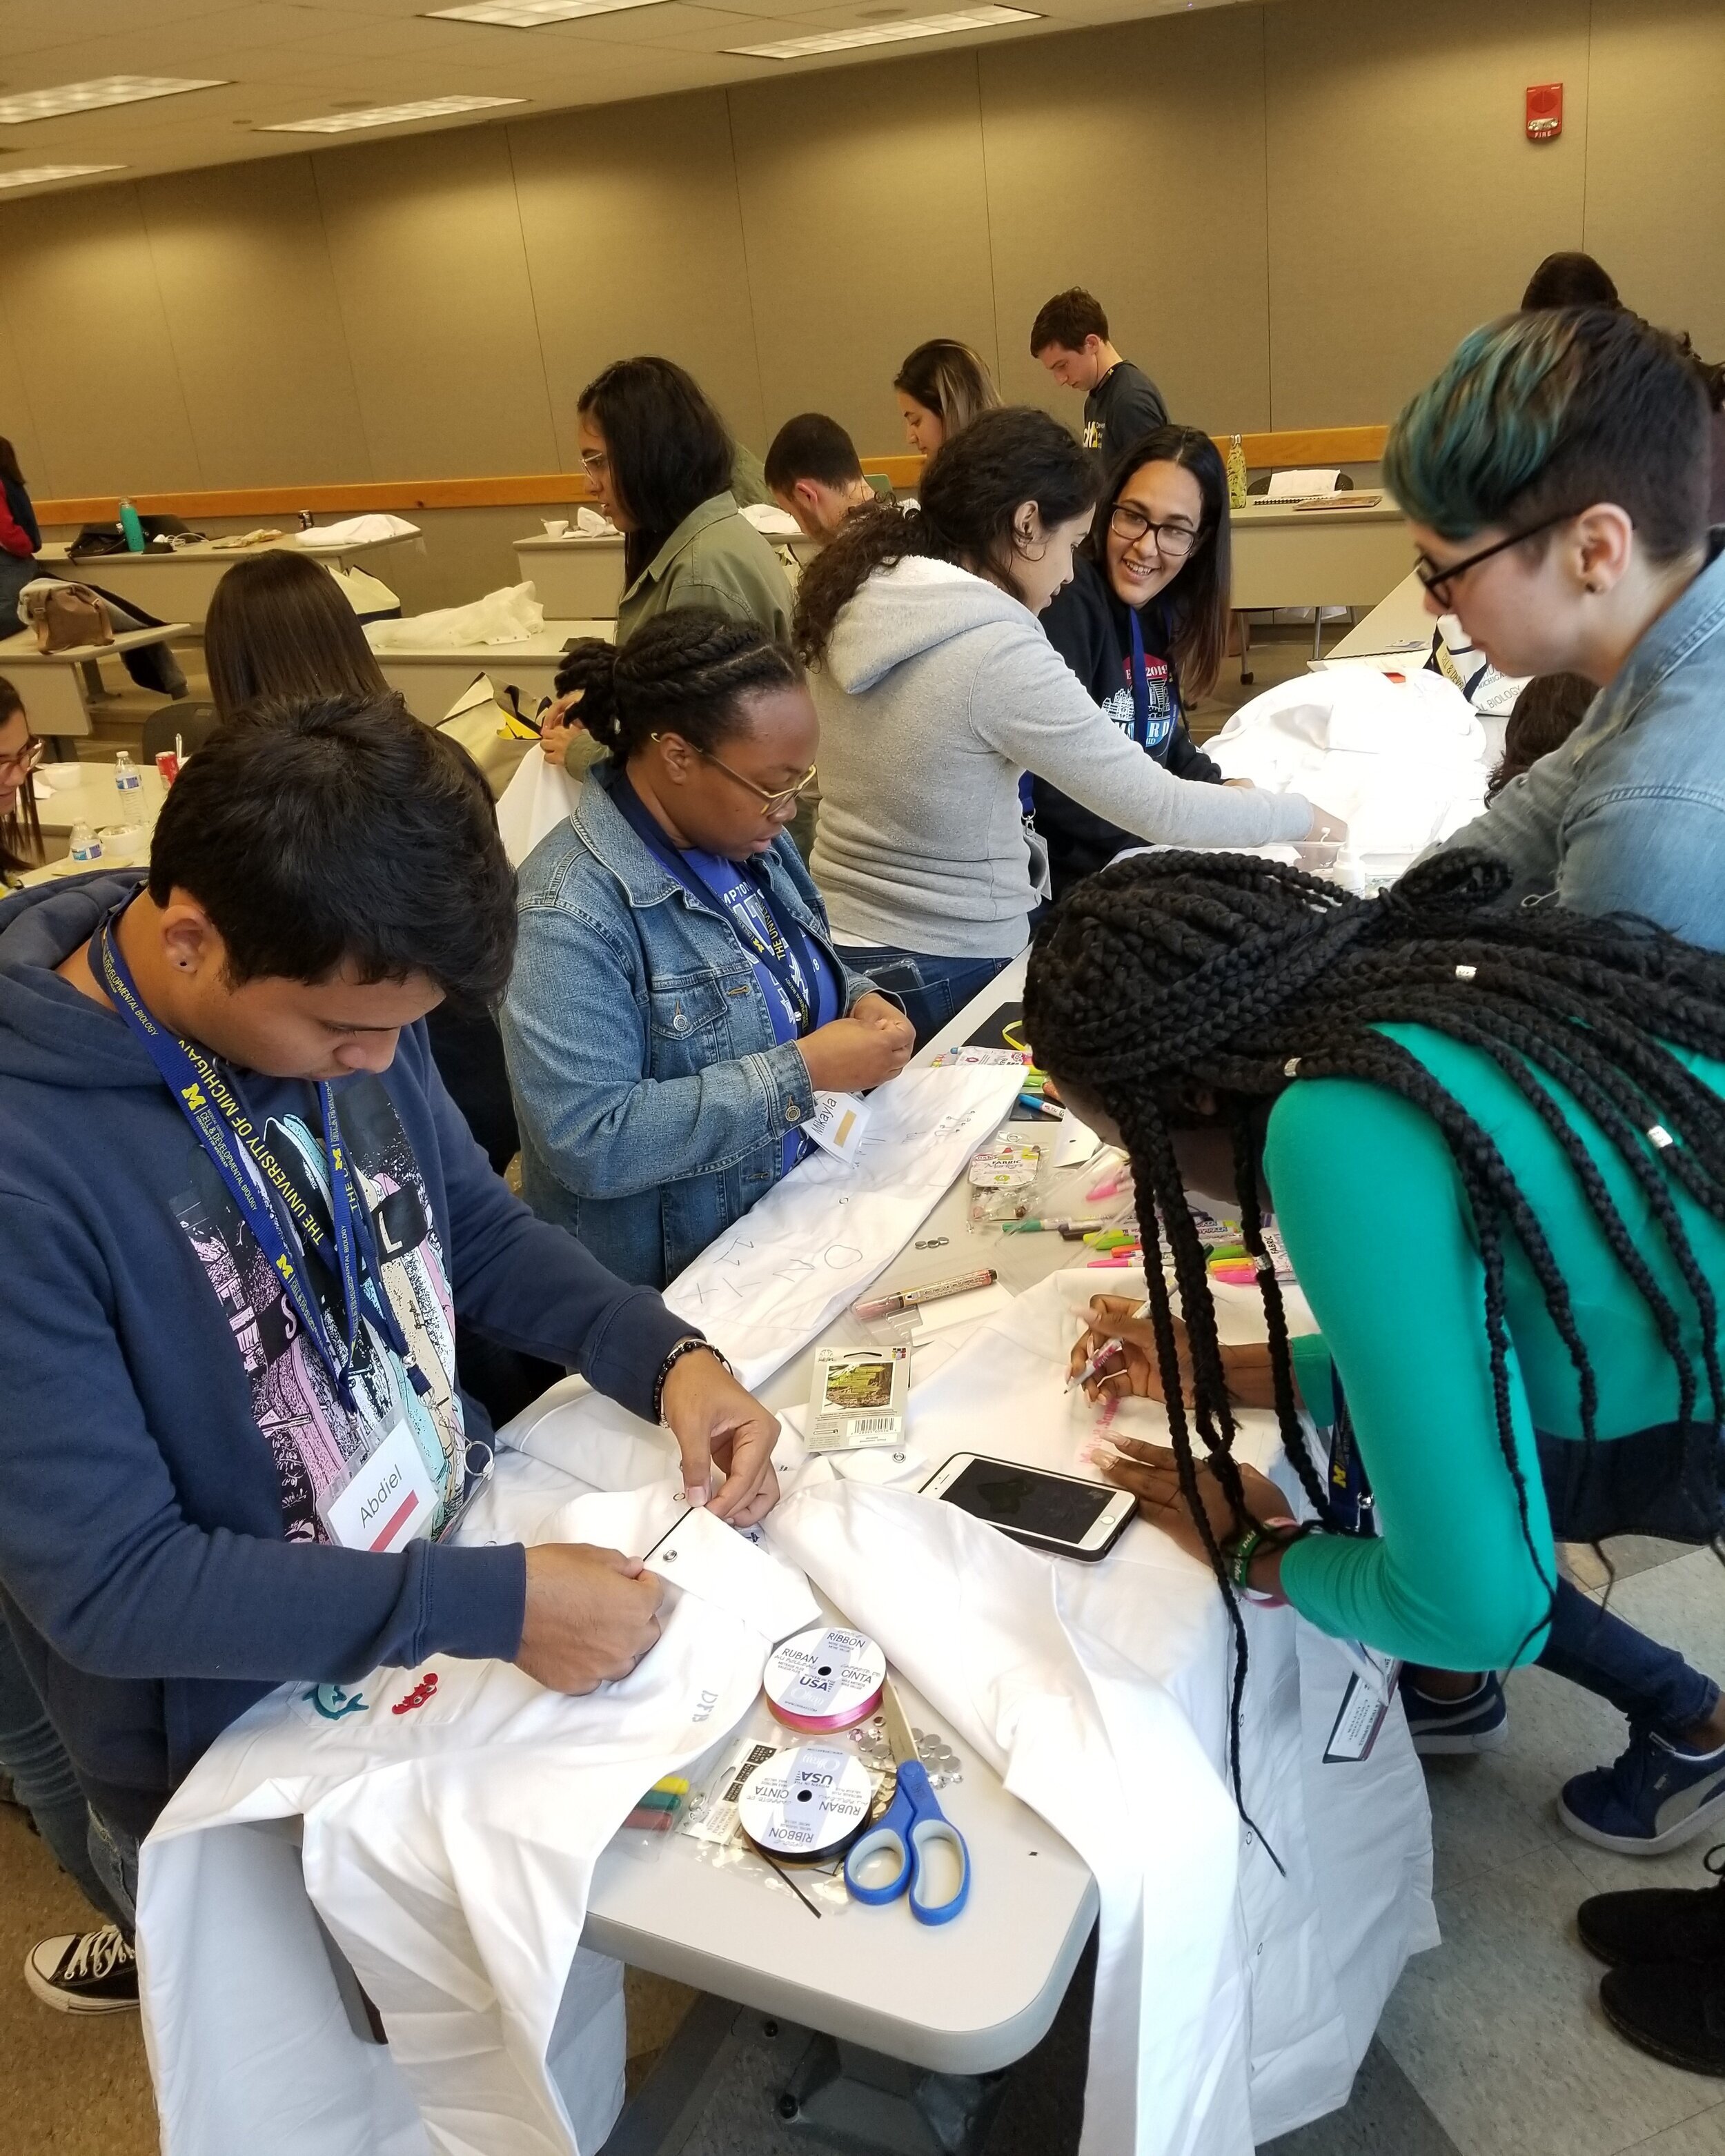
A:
x: 858, y: 1397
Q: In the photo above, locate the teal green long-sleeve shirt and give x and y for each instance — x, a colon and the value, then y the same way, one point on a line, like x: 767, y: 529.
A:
x: 1381, y: 1235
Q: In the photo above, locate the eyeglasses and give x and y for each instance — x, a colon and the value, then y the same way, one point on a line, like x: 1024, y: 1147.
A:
x: 594, y: 461
x: 24, y: 760
x: 1438, y: 581
x: 774, y: 804
x: 1175, y: 541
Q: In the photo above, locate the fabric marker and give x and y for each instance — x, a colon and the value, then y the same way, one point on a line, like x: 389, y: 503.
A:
x: 1109, y: 1239
x: 1069, y: 1229
x: 1040, y: 1106
x: 1093, y: 1368
x: 886, y: 1306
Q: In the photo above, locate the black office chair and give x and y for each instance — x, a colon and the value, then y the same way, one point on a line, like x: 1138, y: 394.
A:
x: 192, y: 723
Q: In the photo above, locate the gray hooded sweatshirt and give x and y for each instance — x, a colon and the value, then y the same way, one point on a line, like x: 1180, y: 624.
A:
x: 938, y: 690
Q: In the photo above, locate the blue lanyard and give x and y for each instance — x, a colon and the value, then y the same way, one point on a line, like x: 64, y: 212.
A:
x: 791, y: 967
x: 1140, y: 682
x: 217, y: 1116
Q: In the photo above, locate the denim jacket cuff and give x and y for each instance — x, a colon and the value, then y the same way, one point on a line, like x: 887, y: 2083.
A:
x: 790, y: 1094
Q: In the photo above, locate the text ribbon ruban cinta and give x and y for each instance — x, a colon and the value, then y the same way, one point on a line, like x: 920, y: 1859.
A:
x: 220, y: 1118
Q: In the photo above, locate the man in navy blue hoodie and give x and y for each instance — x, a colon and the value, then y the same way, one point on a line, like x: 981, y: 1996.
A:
x: 232, y: 1426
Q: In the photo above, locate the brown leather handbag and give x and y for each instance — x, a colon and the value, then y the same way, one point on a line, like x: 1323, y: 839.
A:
x: 66, y: 617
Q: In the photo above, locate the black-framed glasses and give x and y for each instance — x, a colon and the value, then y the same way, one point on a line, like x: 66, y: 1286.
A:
x: 25, y: 760
x: 774, y: 804
x: 1127, y: 522
x: 1438, y: 581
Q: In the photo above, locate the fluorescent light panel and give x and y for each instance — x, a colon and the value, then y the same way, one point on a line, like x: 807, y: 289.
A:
x: 26, y: 105
x: 386, y: 115
x: 530, y: 14
x: 36, y: 176
x: 885, y: 33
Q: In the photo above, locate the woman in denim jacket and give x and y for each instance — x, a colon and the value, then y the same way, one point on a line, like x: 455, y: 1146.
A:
x: 677, y: 1001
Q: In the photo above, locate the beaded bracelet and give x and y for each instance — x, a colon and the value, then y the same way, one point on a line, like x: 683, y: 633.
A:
x: 687, y: 1346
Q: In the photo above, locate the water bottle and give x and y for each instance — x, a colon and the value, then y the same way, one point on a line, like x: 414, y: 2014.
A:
x: 127, y: 784
x: 1236, y: 473
x: 85, y: 844
x: 132, y: 525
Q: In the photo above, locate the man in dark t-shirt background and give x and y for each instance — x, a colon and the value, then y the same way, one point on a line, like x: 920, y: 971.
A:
x: 1069, y: 335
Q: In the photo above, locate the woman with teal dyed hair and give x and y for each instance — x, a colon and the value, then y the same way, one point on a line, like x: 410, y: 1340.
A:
x: 1556, y: 478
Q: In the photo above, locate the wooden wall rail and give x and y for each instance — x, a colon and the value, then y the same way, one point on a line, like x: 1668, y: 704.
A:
x: 1311, y: 445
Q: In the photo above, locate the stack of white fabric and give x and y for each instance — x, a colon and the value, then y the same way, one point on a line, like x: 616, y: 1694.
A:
x: 509, y: 615
x: 1404, y: 760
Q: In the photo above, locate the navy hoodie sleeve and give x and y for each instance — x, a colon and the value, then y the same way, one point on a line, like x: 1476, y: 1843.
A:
x: 531, y: 1285
x: 98, y: 1555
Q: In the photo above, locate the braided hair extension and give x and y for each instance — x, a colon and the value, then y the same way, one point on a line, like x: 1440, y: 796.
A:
x: 688, y: 672
x: 1179, y: 988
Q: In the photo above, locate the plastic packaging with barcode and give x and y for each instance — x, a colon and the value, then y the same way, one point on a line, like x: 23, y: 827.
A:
x: 1005, y: 1178
x: 858, y: 1398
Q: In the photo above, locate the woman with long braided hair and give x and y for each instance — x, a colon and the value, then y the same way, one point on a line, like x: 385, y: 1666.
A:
x: 677, y: 1001
x: 1494, y: 1142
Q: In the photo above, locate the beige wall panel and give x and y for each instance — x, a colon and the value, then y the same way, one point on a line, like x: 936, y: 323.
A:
x: 79, y: 292
x: 866, y: 222
x: 1130, y: 160
x: 634, y: 244
x: 244, y: 272
x: 1406, y: 203
x: 17, y: 421
x: 426, y: 244
x: 1656, y: 161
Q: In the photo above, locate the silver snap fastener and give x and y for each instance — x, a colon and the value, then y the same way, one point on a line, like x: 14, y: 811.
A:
x: 792, y: 1113
x: 679, y: 1024
x: 668, y: 1557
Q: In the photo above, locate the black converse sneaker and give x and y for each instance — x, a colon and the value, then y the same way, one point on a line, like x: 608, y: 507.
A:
x: 85, y: 1972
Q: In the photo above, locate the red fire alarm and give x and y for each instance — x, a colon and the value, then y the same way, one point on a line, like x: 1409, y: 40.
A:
x: 1545, y: 112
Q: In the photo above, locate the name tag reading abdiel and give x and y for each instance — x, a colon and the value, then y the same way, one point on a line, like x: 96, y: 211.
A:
x: 387, y: 1501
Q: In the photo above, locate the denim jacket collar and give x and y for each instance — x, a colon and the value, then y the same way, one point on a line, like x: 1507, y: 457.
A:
x: 1678, y: 634
x: 614, y: 844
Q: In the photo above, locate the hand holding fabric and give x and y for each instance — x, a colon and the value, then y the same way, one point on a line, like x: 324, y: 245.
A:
x: 852, y: 1054
x: 715, y: 1421
x: 591, y: 1615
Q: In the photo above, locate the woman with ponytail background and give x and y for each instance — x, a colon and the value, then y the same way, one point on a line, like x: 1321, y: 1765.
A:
x: 937, y: 691
x: 1494, y: 1141
x: 677, y: 1001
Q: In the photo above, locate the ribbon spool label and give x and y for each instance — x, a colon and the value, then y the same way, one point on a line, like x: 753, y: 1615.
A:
x: 806, y: 1805
x: 826, y: 1679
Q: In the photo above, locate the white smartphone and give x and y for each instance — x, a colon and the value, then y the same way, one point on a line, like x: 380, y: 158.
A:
x: 1059, y: 1512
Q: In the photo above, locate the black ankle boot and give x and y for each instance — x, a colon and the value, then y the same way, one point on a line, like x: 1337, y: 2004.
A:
x: 1654, y: 1926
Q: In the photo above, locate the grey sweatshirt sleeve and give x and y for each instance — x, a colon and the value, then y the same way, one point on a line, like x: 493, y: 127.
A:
x: 1028, y: 704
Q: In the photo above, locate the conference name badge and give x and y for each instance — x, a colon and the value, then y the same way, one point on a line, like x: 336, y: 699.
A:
x: 838, y: 1124
x: 387, y: 1501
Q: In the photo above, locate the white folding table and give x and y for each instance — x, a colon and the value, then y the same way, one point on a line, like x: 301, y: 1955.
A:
x: 431, y: 679
x: 177, y: 584
x: 55, y: 685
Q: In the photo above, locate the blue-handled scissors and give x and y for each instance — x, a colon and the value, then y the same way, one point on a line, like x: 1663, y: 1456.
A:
x: 915, y: 1847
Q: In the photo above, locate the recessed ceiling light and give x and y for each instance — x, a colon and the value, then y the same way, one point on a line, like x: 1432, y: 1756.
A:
x: 386, y: 115
x: 885, y: 33
x: 529, y: 14
x: 36, y: 176
x: 85, y: 97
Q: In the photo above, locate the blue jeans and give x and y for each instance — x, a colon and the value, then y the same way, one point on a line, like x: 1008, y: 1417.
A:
x: 42, y: 1777
x: 933, y: 991
x: 1636, y: 1484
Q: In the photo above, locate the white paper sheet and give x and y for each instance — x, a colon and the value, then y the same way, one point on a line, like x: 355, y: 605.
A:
x: 816, y: 1240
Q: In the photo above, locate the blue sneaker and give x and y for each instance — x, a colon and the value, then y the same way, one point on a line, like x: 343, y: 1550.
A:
x: 1655, y: 1798
x: 1477, y: 1721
